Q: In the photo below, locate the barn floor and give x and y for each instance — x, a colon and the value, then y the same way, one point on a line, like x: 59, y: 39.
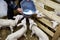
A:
x: 5, y: 32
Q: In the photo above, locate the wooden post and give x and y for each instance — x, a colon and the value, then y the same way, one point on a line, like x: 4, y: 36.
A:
x: 57, y: 34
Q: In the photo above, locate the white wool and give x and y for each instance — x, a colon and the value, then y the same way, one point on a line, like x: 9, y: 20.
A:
x: 31, y: 23
x: 3, y: 8
x: 37, y: 31
x: 54, y: 24
x: 19, y: 33
x: 23, y: 22
x: 10, y: 23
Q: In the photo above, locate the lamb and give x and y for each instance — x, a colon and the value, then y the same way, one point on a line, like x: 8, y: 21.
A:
x: 10, y: 23
x: 54, y: 24
x: 37, y: 31
x: 39, y: 14
x: 19, y: 33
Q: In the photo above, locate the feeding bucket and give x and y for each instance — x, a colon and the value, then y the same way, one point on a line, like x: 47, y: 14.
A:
x: 28, y: 7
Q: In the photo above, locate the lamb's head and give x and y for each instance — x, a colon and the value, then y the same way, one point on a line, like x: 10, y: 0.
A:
x: 31, y: 23
x: 55, y: 23
x: 23, y: 22
x: 18, y: 17
x: 39, y: 14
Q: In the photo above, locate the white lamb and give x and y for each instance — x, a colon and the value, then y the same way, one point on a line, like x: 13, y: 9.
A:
x: 54, y: 24
x: 39, y: 14
x: 10, y: 23
x: 35, y: 30
x: 19, y: 33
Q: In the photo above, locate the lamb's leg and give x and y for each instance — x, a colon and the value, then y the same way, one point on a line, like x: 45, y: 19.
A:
x: 11, y: 28
x: 0, y: 27
x: 22, y: 22
x: 31, y: 23
x: 30, y: 26
x: 19, y: 24
x: 25, y: 36
x: 32, y: 33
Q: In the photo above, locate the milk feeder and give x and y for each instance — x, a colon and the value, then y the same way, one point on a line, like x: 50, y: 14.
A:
x: 28, y: 7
